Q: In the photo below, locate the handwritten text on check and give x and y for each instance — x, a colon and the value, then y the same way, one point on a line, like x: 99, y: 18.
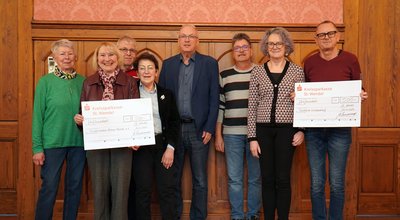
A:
x: 327, y: 104
x: 117, y: 123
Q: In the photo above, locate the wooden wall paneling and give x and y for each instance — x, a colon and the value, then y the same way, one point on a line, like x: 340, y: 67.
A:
x: 223, y: 54
x: 376, y: 52
x: 25, y: 188
x: 378, y: 48
x: 220, y: 180
x: 396, y: 56
x: 8, y: 167
x: 88, y: 48
x: 8, y: 63
x: 41, y: 51
x: 396, y: 67
x: 9, y: 109
x: 378, y: 171
x: 351, y: 44
x: 383, y: 179
x: 87, y: 52
x: 155, y: 47
x: 300, y: 178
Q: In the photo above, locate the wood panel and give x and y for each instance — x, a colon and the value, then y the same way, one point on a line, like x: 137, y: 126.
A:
x: 8, y: 91
x: 377, y: 56
x: 25, y: 188
x: 376, y: 29
x: 8, y: 167
x: 379, y: 171
x: 9, y: 107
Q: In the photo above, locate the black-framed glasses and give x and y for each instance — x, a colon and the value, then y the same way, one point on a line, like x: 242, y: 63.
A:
x: 330, y: 34
x: 244, y: 48
x: 190, y: 37
x: 278, y: 44
x: 126, y: 50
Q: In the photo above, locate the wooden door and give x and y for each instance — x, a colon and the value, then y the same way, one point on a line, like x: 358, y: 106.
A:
x: 8, y: 109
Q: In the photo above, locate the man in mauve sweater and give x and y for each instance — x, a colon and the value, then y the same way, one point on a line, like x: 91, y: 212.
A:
x: 329, y: 64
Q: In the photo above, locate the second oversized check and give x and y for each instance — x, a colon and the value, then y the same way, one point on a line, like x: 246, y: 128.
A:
x: 327, y: 104
x: 117, y: 123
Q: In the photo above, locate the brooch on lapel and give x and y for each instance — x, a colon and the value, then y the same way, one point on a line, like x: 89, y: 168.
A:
x: 162, y: 97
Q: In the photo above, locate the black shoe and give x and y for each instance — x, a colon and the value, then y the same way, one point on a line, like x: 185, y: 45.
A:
x: 253, y: 218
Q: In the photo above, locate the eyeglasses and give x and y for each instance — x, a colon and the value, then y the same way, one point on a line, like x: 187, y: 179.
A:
x: 330, y: 34
x: 126, y: 50
x: 278, y: 45
x: 190, y: 37
x: 143, y: 68
x: 244, y: 48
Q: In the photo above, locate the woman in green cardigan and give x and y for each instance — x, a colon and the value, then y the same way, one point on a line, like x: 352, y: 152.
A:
x: 55, y: 136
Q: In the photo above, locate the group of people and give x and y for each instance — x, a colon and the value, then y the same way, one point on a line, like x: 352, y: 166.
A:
x: 247, y: 108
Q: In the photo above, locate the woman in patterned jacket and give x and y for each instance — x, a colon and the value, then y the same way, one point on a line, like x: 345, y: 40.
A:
x: 270, y: 120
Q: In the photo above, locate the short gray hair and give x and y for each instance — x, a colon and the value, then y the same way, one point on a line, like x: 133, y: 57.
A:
x: 191, y: 26
x: 127, y: 39
x: 62, y: 43
x: 286, y: 39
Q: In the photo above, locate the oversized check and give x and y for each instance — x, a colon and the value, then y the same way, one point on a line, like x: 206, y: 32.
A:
x: 327, y: 104
x: 117, y: 123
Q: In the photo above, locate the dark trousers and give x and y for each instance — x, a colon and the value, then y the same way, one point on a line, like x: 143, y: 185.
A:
x: 146, y: 163
x: 275, y: 163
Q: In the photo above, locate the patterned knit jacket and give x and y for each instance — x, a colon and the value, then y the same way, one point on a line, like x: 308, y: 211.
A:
x: 269, y: 100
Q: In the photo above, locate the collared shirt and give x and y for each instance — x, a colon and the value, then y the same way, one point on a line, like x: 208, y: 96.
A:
x: 154, y: 103
x: 186, y: 73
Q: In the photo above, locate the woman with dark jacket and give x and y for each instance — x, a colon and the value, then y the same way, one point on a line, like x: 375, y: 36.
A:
x: 157, y: 159
x: 109, y: 168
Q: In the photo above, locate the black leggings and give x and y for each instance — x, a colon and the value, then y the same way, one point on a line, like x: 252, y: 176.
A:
x: 275, y: 163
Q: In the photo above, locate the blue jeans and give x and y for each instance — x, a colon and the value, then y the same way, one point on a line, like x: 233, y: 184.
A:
x: 192, y: 143
x: 336, y: 143
x: 235, y: 147
x: 50, y: 174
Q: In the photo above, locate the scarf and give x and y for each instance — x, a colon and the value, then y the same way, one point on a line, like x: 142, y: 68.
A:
x: 108, y: 82
x: 64, y: 75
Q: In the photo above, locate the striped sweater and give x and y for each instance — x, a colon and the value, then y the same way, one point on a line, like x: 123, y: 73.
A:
x: 234, y: 93
x: 269, y: 100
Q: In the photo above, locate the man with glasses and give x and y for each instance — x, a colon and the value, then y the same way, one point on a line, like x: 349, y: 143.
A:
x: 193, y: 79
x: 330, y: 64
x: 127, y: 47
x: 232, y: 138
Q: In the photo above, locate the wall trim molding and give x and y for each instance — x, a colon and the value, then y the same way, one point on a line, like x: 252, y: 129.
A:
x: 110, y: 31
